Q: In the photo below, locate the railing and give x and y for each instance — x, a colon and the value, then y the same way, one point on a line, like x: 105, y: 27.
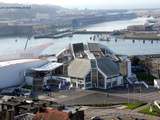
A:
x: 26, y: 116
x: 156, y: 103
x: 134, y: 80
x: 143, y: 83
x: 130, y: 82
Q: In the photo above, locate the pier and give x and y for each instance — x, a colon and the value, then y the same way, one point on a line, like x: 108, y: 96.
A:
x: 93, y: 32
x: 117, y: 34
x: 69, y: 33
x: 59, y: 34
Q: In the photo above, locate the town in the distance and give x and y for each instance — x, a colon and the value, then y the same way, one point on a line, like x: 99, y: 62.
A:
x: 60, y: 63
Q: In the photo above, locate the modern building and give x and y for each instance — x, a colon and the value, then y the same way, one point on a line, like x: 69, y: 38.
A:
x: 101, y: 73
x: 12, y: 72
x: 89, y: 65
x: 45, y: 75
x: 94, y: 66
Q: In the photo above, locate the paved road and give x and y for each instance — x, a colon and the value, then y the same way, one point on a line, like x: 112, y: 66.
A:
x: 146, y: 95
x: 88, y: 97
x: 143, y: 96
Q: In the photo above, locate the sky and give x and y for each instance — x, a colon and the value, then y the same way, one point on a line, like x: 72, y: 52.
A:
x: 94, y: 4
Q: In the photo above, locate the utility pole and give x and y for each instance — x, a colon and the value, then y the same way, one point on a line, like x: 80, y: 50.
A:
x: 29, y: 35
x: 28, y: 38
x: 141, y: 92
x: 128, y: 93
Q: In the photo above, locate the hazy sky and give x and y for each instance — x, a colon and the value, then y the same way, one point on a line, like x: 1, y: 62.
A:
x: 104, y: 4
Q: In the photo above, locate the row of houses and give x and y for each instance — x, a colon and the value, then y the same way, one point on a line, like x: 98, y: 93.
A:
x: 20, y: 108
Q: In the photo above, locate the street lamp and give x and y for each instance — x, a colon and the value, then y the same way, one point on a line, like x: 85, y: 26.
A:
x: 128, y: 92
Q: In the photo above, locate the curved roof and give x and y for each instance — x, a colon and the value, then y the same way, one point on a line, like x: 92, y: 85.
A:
x: 20, y: 61
x: 48, y: 67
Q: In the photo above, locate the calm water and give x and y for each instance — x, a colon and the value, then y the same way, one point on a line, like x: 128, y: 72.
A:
x: 125, y: 47
x: 116, y: 25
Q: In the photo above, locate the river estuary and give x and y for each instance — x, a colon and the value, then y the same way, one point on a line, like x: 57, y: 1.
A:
x: 125, y: 47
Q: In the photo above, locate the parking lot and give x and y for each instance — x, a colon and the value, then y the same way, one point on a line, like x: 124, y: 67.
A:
x: 113, y: 96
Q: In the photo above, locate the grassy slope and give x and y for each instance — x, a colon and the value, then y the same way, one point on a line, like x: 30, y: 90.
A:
x: 134, y: 105
x: 155, y: 111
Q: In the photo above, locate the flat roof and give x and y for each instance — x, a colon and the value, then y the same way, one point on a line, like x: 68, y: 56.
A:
x: 13, y: 62
x: 48, y: 67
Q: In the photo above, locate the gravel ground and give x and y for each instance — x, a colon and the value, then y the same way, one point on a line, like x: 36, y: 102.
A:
x: 116, y: 114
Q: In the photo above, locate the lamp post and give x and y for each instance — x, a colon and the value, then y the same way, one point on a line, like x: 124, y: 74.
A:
x: 140, y: 92
x: 128, y: 93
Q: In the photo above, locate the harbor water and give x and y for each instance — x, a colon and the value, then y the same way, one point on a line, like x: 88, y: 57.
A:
x: 120, y: 46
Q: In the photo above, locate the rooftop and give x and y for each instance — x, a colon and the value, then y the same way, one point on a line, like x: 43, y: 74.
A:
x: 52, y: 114
x: 108, y: 66
x: 48, y: 67
x: 79, y: 68
x: 94, y: 47
x: 13, y: 62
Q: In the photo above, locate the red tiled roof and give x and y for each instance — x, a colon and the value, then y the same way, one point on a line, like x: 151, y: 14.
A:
x: 52, y: 115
